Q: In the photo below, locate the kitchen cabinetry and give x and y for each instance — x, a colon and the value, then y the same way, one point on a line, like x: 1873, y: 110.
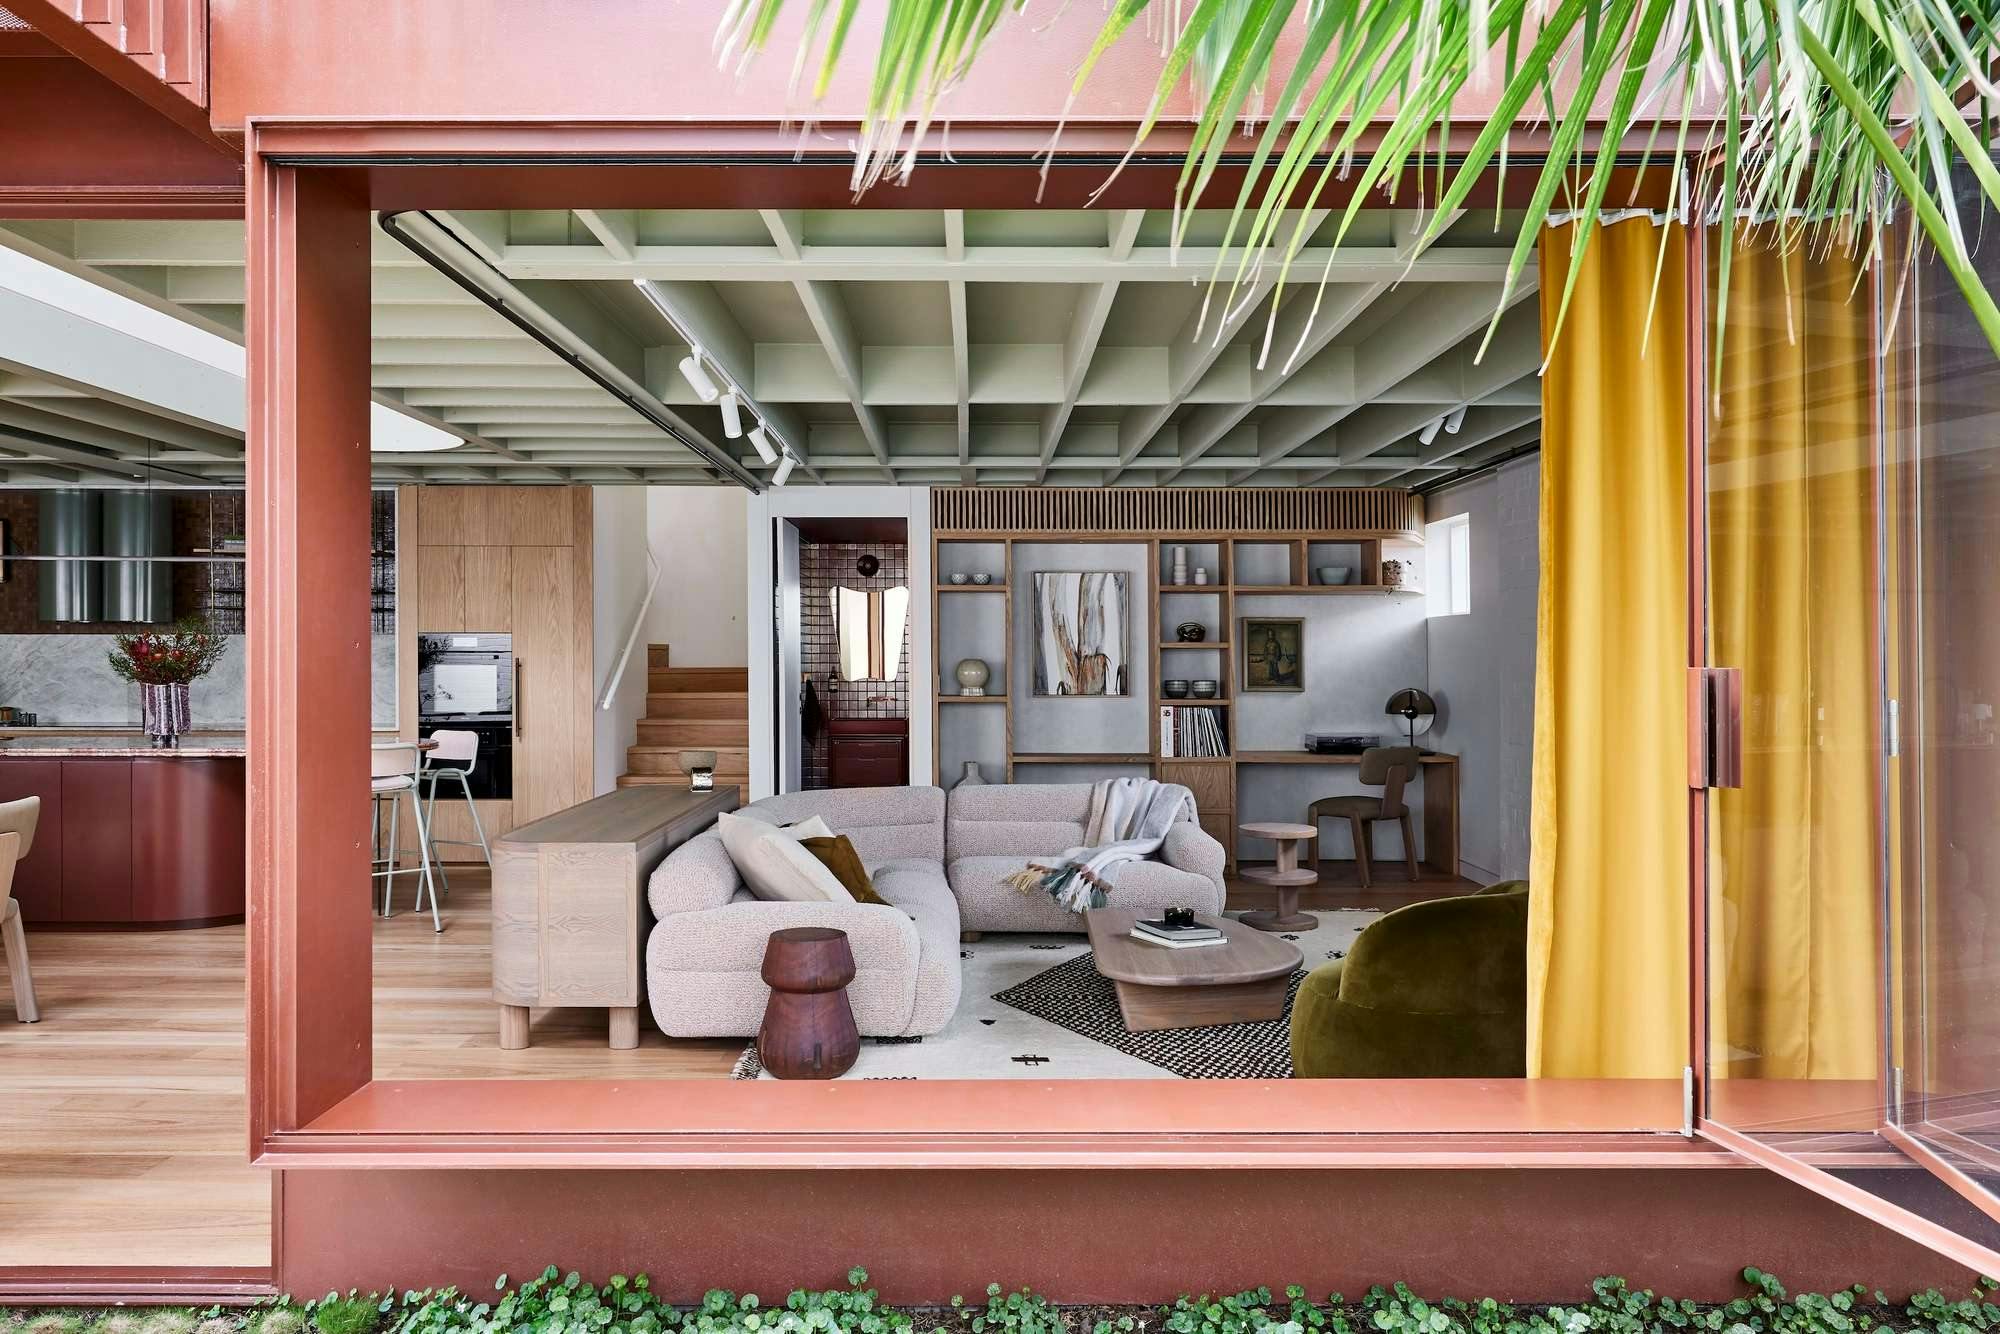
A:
x: 513, y: 560
x: 129, y: 836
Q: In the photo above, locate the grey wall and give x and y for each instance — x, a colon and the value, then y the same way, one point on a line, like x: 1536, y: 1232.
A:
x: 1358, y: 651
x: 1100, y: 724
x: 1483, y: 668
x: 67, y: 681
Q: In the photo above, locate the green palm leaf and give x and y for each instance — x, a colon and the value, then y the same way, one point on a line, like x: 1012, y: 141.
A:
x: 1828, y: 116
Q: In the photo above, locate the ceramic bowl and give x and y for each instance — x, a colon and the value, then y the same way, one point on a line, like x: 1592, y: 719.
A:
x: 1204, y: 689
x: 961, y: 578
x: 982, y: 579
x: 1174, y: 689
x: 1191, y: 632
x: 1334, y: 574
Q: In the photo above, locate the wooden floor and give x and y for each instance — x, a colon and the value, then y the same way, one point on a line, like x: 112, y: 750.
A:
x: 122, y: 1111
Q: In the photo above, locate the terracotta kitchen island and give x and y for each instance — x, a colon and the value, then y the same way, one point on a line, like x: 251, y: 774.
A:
x: 129, y: 836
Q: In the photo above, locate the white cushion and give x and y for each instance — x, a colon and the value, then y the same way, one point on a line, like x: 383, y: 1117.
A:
x: 773, y: 864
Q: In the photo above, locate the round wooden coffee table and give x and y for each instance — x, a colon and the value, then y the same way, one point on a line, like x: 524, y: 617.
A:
x: 808, y: 1030
x: 1287, y: 877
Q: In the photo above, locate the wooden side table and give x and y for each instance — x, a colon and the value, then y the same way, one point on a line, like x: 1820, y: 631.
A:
x: 1287, y: 877
x: 808, y: 1030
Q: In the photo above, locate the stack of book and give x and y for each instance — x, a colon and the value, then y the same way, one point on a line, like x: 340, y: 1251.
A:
x: 1155, y: 931
x: 1192, y: 733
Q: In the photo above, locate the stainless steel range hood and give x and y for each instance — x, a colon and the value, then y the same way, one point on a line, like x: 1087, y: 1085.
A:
x: 72, y: 524
x: 96, y: 525
x: 138, y: 523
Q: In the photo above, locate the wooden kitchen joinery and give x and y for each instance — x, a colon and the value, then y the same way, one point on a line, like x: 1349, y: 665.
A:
x: 513, y: 560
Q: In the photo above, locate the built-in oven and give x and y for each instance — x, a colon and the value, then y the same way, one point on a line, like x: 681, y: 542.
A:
x: 465, y: 683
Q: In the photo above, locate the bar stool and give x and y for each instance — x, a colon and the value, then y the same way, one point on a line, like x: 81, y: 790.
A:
x: 394, y: 766
x: 454, y: 758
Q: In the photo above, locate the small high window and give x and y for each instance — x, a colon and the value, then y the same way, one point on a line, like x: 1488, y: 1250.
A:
x: 1448, y: 562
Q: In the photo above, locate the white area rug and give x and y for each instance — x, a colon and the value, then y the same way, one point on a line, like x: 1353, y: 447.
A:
x: 990, y: 1039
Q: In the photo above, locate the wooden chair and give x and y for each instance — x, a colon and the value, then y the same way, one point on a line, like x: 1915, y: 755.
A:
x: 1389, y: 768
x: 17, y: 835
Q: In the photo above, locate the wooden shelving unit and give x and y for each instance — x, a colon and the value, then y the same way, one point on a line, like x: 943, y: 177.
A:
x: 1242, y: 564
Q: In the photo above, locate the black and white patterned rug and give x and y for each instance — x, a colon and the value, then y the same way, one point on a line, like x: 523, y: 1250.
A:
x: 1076, y: 996
x: 1035, y: 1007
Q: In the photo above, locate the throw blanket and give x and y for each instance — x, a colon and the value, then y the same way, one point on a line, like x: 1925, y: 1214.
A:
x: 1129, y: 819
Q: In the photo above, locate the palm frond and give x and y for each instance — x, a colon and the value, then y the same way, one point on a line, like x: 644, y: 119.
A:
x: 1823, y: 118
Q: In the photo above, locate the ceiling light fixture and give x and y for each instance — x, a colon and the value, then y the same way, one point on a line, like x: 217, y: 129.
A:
x: 1454, y: 421
x: 698, y: 378
x: 1428, y: 434
x: 784, y: 472
x: 732, y: 416
x: 761, y: 442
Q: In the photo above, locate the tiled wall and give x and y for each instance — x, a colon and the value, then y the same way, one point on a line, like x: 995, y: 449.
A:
x: 822, y: 568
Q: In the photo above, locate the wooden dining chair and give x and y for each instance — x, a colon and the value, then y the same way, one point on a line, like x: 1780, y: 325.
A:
x: 1390, y: 768
x: 17, y: 836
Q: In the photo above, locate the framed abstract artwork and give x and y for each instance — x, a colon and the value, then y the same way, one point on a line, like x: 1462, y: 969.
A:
x: 1080, y: 634
x: 1274, y: 653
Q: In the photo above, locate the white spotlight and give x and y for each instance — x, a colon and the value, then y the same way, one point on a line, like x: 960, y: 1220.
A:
x: 732, y: 417
x: 1455, y: 420
x: 697, y: 377
x: 762, y: 444
x: 1431, y: 429
x: 784, y: 472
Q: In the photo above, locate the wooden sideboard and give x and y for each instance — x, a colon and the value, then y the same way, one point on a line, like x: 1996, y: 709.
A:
x: 569, y: 903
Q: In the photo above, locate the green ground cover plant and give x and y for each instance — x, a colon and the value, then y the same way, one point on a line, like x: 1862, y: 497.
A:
x: 555, y: 1302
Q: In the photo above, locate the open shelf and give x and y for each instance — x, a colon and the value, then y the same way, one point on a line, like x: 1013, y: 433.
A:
x: 1315, y: 590
x: 1192, y: 646
x: 1082, y: 757
x: 972, y: 699
x: 972, y: 588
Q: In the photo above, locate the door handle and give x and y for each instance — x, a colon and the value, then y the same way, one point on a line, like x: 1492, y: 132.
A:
x: 519, y: 695
x: 1715, y: 727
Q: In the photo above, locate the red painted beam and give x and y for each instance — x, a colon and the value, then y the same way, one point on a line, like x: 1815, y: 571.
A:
x: 126, y: 47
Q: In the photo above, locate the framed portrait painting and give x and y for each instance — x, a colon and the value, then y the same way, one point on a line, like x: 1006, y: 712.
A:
x: 1274, y: 653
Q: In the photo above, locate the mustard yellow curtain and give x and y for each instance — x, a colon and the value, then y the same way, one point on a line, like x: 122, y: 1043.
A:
x: 1608, y: 920
x: 1796, y: 852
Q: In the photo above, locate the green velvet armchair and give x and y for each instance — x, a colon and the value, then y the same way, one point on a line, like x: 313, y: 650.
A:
x: 1436, y: 990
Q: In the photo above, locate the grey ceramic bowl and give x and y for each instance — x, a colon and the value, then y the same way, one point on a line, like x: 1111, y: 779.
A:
x: 1174, y: 689
x: 1333, y: 574
x: 1204, y: 689
x: 982, y: 579
x: 961, y: 578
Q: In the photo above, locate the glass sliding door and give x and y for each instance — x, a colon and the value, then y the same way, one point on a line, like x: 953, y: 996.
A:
x: 1852, y: 896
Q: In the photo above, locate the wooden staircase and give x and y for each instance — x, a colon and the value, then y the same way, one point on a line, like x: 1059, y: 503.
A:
x: 691, y: 708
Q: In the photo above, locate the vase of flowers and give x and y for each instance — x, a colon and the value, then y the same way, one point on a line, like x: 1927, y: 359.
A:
x: 163, y: 664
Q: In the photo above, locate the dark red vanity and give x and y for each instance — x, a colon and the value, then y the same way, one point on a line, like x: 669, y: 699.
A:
x: 130, y: 836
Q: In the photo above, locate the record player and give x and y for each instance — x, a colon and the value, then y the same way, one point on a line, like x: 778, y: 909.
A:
x: 1339, y: 743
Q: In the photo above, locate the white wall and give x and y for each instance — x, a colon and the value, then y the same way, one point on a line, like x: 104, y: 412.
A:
x: 1482, y: 667
x: 1358, y: 651
x: 910, y: 503
x: 698, y: 534
x: 618, y: 586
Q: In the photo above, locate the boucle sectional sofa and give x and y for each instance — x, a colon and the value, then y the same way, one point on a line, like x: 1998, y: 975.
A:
x: 939, y: 860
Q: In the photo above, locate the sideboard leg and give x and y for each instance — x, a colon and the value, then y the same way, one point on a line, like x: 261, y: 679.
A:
x: 513, y: 1027
x: 624, y: 1027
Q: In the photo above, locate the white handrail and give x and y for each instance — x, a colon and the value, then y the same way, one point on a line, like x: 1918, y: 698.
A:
x: 638, y: 624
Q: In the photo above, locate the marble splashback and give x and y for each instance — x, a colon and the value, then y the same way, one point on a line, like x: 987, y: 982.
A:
x: 67, y: 681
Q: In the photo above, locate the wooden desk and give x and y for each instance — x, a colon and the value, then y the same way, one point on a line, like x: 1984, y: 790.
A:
x: 1440, y: 801
x: 569, y: 903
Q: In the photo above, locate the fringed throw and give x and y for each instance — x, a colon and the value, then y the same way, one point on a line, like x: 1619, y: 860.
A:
x: 1129, y: 820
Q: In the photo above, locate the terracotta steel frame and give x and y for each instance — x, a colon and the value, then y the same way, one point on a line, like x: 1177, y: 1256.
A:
x: 313, y: 1103
x: 1754, y: 1143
